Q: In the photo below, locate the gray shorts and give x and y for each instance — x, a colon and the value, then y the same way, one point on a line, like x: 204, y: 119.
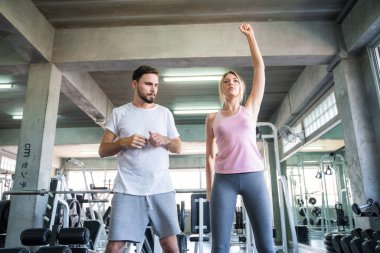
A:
x: 130, y: 215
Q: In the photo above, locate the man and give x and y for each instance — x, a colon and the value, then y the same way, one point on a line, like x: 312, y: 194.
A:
x: 140, y: 133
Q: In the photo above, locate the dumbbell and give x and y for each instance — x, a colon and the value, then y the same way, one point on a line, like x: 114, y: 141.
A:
x: 302, y: 211
x: 375, y: 208
x: 369, y: 244
x: 357, y: 240
x: 356, y: 232
x: 312, y: 201
x: 311, y: 221
x: 357, y: 209
x: 316, y: 212
x: 335, y: 241
x: 300, y: 202
x: 328, y: 242
x: 345, y: 241
x: 366, y: 234
x: 364, y: 238
x: 376, y: 237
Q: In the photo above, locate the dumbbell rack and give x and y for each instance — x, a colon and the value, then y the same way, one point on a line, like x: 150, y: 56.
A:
x: 57, y: 183
x: 358, y: 241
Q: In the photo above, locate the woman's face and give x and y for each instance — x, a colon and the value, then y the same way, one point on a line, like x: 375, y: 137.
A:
x: 231, y: 85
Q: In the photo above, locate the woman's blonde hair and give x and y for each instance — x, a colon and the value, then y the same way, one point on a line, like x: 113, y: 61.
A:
x: 242, y: 86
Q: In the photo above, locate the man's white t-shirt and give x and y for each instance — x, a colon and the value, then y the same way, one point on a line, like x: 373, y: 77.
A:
x: 142, y: 171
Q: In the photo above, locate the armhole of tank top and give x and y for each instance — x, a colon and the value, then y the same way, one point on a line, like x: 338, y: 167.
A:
x: 217, y: 115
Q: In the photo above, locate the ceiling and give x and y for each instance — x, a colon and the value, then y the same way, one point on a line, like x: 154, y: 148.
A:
x: 103, y: 13
x: 116, y: 84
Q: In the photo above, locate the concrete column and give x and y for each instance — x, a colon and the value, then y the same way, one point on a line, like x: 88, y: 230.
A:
x: 35, y: 150
x: 362, y: 158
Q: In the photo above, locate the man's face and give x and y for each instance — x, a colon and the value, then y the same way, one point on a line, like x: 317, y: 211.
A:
x: 146, y: 87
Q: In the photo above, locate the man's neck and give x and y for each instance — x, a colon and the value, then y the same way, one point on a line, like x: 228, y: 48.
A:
x: 142, y: 104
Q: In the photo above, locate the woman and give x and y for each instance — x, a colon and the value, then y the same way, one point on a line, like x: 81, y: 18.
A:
x: 238, y: 164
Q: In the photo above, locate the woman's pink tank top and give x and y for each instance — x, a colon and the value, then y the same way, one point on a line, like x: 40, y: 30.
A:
x: 236, y: 142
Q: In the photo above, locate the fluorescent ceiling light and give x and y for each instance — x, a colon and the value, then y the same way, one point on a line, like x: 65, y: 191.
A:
x: 310, y: 161
x: 6, y: 85
x: 191, y: 78
x: 194, y: 111
x: 17, y: 117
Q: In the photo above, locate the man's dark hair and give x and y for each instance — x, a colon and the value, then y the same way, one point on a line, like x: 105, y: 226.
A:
x: 140, y: 71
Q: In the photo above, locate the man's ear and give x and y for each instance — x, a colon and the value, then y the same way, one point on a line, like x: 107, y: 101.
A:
x: 134, y: 84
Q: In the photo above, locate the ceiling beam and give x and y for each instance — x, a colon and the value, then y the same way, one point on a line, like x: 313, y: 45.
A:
x: 27, y: 29
x: 361, y: 25
x: 84, y: 92
x: 115, y: 48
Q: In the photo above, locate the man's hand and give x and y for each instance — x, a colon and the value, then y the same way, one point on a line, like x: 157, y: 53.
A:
x: 156, y: 139
x: 133, y: 141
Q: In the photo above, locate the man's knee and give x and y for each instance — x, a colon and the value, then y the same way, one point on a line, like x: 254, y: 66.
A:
x: 115, y: 246
x: 169, y: 244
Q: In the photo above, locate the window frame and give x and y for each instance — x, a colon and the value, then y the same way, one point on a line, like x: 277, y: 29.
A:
x: 373, y: 50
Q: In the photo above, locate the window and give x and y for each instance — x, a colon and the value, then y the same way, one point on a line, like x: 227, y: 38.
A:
x: 318, y: 117
x: 100, y: 178
x: 374, y: 55
x: 8, y: 164
x: 188, y: 179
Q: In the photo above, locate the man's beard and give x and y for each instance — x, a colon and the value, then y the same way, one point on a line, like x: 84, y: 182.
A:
x: 145, y: 98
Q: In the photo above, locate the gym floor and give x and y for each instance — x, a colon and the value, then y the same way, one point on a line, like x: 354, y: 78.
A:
x: 315, y: 246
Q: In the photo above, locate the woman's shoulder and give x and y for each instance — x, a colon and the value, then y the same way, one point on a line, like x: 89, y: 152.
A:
x: 211, y: 117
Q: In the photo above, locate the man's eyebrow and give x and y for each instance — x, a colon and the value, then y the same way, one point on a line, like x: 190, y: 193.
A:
x: 147, y: 82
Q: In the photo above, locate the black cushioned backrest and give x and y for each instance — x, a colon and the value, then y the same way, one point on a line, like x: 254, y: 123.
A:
x: 14, y: 250
x: 79, y: 250
x: 35, y: 236
x: 195, y: 213
x: 54, y: 249
x: 74, y: 236
x: 94, y: 227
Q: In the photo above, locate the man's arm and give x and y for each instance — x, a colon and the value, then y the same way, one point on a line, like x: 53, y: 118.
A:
x: 173, y: 145
x: 110, y: 147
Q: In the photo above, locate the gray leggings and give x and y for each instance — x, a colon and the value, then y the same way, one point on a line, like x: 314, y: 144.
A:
x: 252, y: 188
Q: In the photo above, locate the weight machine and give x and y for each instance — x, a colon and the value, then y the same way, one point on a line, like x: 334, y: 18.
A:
x: 283, y: 193
x: 334, y: 164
